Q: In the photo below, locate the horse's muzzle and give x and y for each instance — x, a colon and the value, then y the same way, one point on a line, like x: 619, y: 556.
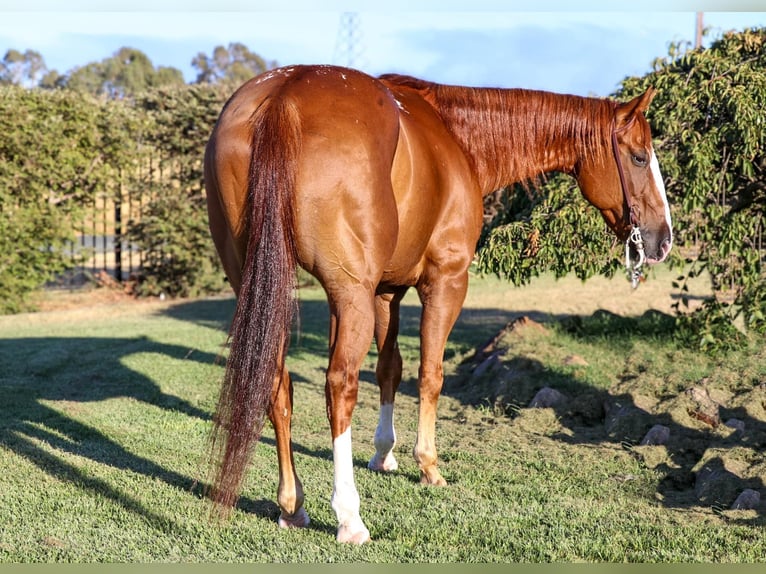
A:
x: 660, y: 252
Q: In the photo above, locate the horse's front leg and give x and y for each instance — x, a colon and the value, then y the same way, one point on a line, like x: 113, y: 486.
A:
x: 442, y: 299
x: 388, y: 374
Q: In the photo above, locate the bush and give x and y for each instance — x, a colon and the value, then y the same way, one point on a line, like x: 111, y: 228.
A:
x: 711, y: 139
x: 179, y: 255
x: 53, y: 161
x: 62, y: 149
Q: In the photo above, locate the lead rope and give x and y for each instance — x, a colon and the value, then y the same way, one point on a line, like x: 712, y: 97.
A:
x: 635, y: 274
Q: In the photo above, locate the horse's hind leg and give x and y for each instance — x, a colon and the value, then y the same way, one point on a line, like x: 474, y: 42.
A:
x: 352, y: 317
x: 290, y: 491
x: 388, y: 374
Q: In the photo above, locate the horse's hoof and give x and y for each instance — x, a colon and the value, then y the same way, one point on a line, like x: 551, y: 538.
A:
x: 353, y: 535
x: 388, y: 464
x: 298, y: 520
x: 432, y: 477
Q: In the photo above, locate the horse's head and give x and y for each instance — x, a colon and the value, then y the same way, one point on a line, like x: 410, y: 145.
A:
x: 626, y: 184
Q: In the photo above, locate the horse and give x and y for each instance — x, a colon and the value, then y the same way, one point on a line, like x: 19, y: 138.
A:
x: 373, y: 186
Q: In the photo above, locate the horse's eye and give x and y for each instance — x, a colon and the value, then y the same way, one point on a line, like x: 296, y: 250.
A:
x: 639, y: 160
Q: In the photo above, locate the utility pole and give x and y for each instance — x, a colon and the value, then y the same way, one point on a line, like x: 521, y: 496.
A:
x: 698, y: 35
x: 348, y: 49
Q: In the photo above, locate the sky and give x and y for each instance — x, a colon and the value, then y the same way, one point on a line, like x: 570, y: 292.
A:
x: 497, y: 43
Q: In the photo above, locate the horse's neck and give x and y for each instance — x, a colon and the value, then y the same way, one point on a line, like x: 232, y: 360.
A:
x: 518, y: 135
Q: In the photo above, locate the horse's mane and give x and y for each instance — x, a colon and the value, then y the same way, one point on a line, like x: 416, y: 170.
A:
x: 508, y: 132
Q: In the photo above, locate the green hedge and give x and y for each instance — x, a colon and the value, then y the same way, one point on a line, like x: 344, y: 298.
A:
x: 61, y: 149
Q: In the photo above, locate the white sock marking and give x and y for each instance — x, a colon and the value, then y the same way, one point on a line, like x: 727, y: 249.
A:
x: 385, y: 435
x: 345, y: 498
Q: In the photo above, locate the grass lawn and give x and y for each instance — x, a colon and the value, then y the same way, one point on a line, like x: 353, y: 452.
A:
x: 105, y: 410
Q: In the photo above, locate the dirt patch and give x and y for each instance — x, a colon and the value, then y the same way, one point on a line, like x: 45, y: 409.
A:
x: 706, y: 441
x: 88, y: 303
x: 103, y: 289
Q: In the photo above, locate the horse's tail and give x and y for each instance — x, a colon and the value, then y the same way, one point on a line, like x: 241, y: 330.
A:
x: 260, y: 329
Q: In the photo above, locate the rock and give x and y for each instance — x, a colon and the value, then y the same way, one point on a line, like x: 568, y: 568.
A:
x: 487, y: 364
x: 626, y: 422
x: 715, y: 485
x: 546, y: 398
x: 736, y: 424
x: 702, y: 407
x: 657, y: 435
x: 747, y: 500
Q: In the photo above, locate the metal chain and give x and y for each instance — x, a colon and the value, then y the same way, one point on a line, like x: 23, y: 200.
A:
x: 634, y: 269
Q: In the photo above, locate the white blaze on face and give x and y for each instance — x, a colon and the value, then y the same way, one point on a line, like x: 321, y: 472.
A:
x: 654, y: 165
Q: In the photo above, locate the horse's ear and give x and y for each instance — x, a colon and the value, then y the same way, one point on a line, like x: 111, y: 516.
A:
x: 646, y: 99
x: 626, y: 112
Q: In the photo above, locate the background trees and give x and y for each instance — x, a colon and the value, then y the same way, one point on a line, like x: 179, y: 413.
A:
x: 231, y: 65
x: 22, y: 69
x: 127, y: 72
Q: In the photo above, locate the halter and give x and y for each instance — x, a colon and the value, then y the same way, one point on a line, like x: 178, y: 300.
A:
x: 634, y: 269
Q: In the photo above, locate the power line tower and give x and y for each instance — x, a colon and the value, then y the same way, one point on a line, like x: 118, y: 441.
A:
x: 699, y: 30
x: 348, y: 47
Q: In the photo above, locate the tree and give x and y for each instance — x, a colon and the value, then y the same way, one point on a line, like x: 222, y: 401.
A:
x: 126, y: 73
x: 233, y: 65
x: 708, y: 118
x: 25, y: 70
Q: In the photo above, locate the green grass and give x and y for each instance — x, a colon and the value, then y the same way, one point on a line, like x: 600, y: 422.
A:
x: 105, y: 414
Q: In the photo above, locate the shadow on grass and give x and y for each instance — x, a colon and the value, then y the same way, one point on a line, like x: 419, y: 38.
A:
x: 691, y: 474
x: 591, y: 416
x: 68, y: 371
x: 74, y: 370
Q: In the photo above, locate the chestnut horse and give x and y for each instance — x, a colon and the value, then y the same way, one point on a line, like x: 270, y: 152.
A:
x: 375, y: 186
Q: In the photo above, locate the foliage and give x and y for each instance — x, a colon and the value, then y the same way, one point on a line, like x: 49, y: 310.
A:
x: 58, y: 152
x: 180, y: 259
x: 711, y: 139
x: 551, y: 229
x: 127, y: 72
x: 232, y: 65
x: 63, y: 150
